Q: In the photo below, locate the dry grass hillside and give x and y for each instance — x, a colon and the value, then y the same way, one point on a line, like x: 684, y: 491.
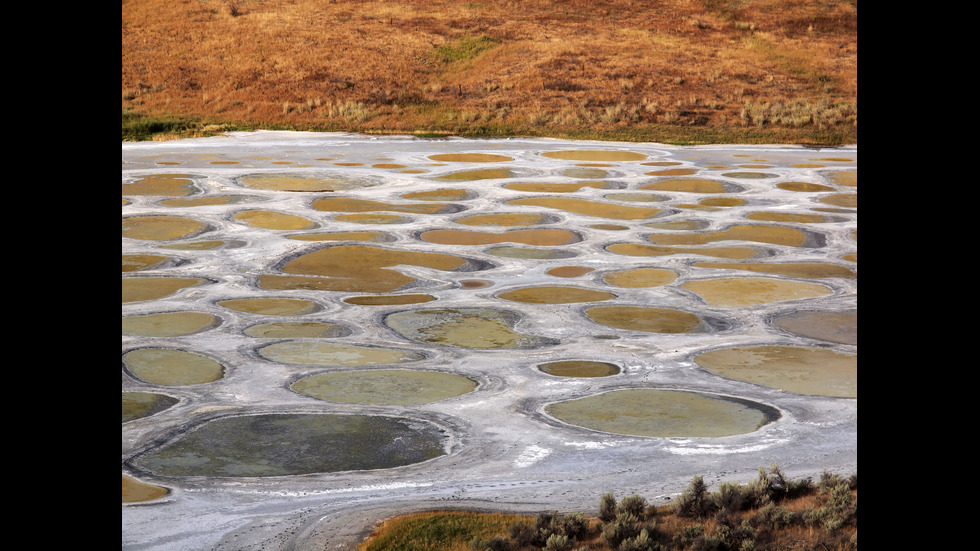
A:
x: 662, y: 70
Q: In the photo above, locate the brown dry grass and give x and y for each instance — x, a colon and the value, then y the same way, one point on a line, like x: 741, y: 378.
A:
x: 554, y: 66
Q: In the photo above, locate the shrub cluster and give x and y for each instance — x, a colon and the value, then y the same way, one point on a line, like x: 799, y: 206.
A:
x: 733, y: 518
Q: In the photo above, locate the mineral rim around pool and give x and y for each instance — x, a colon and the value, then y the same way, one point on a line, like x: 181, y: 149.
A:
x: 295, y: 444
x: 478, y: 328
x: 664, y: 413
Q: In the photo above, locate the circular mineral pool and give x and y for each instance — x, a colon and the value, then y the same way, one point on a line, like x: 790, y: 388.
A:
x: 295, y: 444
x: 161, y: 228
x: 297, y: 330
x: 137, y: 262
x: 795, y: 369
x: 839, y: 327
x: 650, y: 320
x: 389, y: 300
x: 579, y: 368
x: 555, y: 294
x: 272, y: 306
x: 470, y: 158
x: 168, y: 324
x: 135, y: 289
x: 134, y: 491
x: 477, y: 328
x: 749, y: 291
x: 640, y: 277
x: 606, y: 155
x: 136, y: 405
x: 160, y: 185
x: 395, y: 387
x: 333, y: 354
x: 298, y: 182
x: 664, y: 413
x: 171, y: 367
x: 271, y: 220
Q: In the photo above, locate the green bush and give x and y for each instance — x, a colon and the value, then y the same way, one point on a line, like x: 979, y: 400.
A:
x: 695, y: 502
x: 633, y: 505
x: 607, y: 507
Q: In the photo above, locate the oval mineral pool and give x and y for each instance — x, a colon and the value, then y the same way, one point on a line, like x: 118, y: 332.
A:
x: 352, y: 204
x: 601, y: 155
x: 679, y: 225
x: 847, y: 200
x: 529, y: 253
x: 171, y: 367
x: 298, y: 182
x: 689, y: 185
x: 640, y: 249
x: 331, y: 354
x: 161, y: 228
x: 474, y: 283
x: 552, y: 187
x: 371, y: 218
x: 588, y: 208
x: 749, y: 291
x: 169, y: 324
x: 384, y: 387
x: 136, y: 289
x: 356, y: 269
x: 195, y: 246
x: 503, y: 219
x: 664, y: 413
x: 584, y: 173
x: 271, y: 306
x: 843, y: 177
x: 295, y: 444
x: 136, y: 405
x: 647, y: 319
x: 271, y: 220
x: 137, y: 262
x: 390, y: 300
x: 640, y: 277
x: 481, y: 174
x: 807, y: 270
x: 476, y: 328
x: 160, y: 185
x: 298, y: 330
x: 839, y: 327
x: 470, y: 158
x: 569, y: 271
x: 750, y: 175
x: 555, y: 294
x: 799, y: 217
x: 209, y: 201
x: 438, y: 195
x: 776, y: 235
x: 579, y: 368
x: 537, y: 237
x: 673, y: 172
x: 794, y: 369
x: 134, y: 491
x: 804, y: 187
x: 371, y: 236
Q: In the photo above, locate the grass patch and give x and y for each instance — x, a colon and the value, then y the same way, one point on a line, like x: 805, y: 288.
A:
x: 438, y: 531
x: 142, y: 127
x: 466, y: 48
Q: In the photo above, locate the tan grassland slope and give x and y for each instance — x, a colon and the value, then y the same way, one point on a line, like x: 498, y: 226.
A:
x: 734, y: 69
